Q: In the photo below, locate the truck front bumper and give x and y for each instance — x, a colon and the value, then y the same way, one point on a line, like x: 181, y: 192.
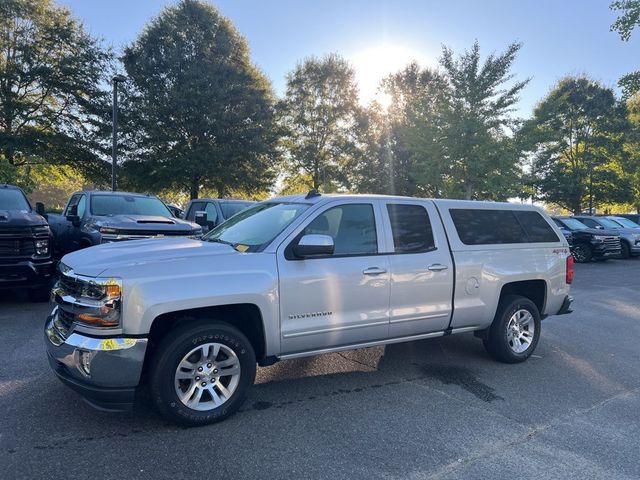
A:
x: 105, y: 371
x: 26, y: 273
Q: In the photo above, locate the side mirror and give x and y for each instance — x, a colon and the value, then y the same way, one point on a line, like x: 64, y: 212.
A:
x: 72, y: 215
x: 599, y: 227
x: 312, y: 245
x: 201, y: 218
x: 40, y: 209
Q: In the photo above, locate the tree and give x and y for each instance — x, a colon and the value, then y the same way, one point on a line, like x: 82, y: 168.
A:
x: 479, y: 150
x: 632, y: 149
x: 624, y: 25
x: 321, y: 119
x: 202, y: 115
x: 402, y: 147
x: 52, y: 109
x: 576, y: 138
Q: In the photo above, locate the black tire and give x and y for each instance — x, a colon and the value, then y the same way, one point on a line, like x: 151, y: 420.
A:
x: 626, y: 250
x: 582, y: 253
x: 170, y: 352
x: 39, y: 294
x: 497, y: 343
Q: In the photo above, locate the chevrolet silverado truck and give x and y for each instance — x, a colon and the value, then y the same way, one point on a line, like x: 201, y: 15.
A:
x: 95, y: 217
x: 298, y: 276
x: 25, y: 245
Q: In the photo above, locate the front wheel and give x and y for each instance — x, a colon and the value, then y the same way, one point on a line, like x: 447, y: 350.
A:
x: 515, y: 330
x: 201, y: 373
x: 626, y: 250
x: 582, y: 253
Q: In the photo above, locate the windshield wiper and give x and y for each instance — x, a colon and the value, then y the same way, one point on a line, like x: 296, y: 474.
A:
x: 218, y: 240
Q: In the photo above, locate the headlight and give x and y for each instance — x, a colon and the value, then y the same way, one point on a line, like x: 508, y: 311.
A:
x: 108, y: 230
x: 96, y: 302
x: 42, y: 247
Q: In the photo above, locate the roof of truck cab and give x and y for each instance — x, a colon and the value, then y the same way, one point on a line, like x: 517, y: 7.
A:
x: 446, y: 203
x: 228, y: 200
x: 9, y: 187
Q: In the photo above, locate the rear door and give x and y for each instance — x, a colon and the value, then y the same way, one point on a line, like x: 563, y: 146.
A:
x: 421, y: 268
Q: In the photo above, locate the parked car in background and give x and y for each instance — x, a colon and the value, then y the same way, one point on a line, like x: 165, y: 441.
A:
x: 635, y: 217
x: 177, y: 212
x: 216, y: 211
x: 589, y: 243
x: 624, y: 222
x: 300, y: 276
x: 629, y: 237
x: 25, y: 245
x: 94, y: 217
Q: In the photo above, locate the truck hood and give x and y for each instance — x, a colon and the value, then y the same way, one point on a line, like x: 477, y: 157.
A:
x: 20, y: 218
x: 145, y: 223
x: 114, y: 257
x: 597, y: 231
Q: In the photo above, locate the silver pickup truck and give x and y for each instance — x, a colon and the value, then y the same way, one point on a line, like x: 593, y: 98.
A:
x: 298, y: 276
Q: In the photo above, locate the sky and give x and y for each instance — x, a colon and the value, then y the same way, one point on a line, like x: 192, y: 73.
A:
x: 559, y: 37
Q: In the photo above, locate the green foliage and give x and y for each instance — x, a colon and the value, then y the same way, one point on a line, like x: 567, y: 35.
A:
x: 632, y: 150
x: 628, y: 20
x: 321, y: 118
x: 51, y: 104
x: 480, y: 152
x: 200, y: 114
x: 576, y: 143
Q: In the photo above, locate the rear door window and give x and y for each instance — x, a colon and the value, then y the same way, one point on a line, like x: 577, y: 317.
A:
x: 411, y: 228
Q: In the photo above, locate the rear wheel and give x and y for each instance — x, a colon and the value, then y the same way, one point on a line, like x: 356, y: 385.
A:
x: 515, y: 330
x: 582, y: 253
x: 201, y: 373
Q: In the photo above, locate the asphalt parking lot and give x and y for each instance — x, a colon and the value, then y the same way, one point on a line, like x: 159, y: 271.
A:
x: 430, y: 409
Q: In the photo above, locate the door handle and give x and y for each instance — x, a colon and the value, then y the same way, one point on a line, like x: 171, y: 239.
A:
x: 437, y: 267
x: 374, y: 271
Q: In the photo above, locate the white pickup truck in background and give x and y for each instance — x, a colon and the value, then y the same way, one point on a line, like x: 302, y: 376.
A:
x: 298, y: 276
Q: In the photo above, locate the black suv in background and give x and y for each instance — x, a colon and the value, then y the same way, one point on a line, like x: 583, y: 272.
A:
x: 589, y: 243
x: 216, y: 210
x: 25, y: 245
x: 94, y: 217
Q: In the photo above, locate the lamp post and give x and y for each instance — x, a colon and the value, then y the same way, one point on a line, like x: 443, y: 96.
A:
x: 114, y: 137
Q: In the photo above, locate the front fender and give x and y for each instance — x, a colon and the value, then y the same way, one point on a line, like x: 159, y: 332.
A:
x: 152, y: 296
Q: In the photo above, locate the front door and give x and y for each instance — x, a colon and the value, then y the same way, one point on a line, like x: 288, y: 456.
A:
x: 421, y: 269
x: 341, y: 299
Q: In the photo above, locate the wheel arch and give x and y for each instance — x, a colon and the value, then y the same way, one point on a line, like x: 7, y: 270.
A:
x: 246, y: 317
x: 535, y: 290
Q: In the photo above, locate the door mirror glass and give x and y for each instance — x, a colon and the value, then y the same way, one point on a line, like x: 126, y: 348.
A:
x: 201, y: 218
x: 40, y: 209
x: 72, y: 214
x: 312, y: 245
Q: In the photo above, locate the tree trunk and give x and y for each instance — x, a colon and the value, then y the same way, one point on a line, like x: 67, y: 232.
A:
x: 194, y: 188
x: 468, y: 191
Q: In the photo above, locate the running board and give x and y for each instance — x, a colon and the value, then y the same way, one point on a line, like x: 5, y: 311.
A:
x: 376, y: 343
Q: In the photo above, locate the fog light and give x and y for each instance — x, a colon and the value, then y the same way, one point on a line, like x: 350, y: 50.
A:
x: 84, y: 362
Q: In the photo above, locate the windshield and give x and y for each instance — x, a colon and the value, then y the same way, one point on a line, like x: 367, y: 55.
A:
x: 625, y: 222
x: 11, y: 199
x: 573, y: 224
x: 229, y: 209
x: 107, y: 205
x: 254, y: 228
x: 609, y: 223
